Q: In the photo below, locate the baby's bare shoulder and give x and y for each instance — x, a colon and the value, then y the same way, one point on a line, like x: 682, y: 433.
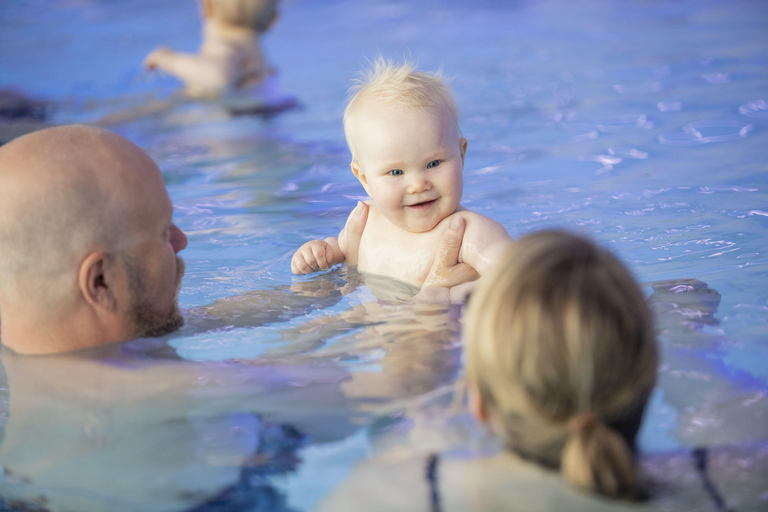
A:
x: 484, y: 241
x: 480, y: 226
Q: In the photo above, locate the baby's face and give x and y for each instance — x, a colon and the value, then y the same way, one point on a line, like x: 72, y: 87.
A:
x: 410, y: 162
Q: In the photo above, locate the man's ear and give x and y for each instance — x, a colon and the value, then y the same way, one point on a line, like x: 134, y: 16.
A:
x: 477, y: 405
x: 358, y: 172
x: 96, y: 280
x: 463, y: 145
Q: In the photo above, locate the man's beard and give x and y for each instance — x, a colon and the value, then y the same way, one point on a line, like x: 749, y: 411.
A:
x: 147, y: 320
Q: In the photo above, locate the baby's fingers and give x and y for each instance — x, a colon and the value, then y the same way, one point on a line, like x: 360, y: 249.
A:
x: 302, y: 263
x: 319, y: 253
x: 298, y: 265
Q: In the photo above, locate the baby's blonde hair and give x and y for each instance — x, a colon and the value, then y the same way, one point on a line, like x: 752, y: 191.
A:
x: 254, y: 14
x: 400, y: 86
x: 561, y: 348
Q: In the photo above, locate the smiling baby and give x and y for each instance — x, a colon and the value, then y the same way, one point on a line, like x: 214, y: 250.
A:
x: 407, y: 150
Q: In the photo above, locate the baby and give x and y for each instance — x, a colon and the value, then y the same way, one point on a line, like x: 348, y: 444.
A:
x: 230, y: 66
x: 408, y: 153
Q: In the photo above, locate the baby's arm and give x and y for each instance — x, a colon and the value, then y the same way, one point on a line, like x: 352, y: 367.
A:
x: 485, y: 240
x: 200, y: 73
x: 322, y: 254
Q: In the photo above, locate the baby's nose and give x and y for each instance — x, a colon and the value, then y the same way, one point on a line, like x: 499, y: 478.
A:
x: 418, y: 183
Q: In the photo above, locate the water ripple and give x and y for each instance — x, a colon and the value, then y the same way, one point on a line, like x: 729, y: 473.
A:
x: 757, y: 109
x: 641, y: 88
x: 669, y: 106
x: 627, y: 152
x: 706, y: 131
x: 618, y: 124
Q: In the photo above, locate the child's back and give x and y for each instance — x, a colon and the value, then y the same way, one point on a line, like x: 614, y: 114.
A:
x: 230, y: 66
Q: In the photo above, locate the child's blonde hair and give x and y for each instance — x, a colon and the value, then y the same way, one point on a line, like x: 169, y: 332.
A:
x: 254, y: 14
x: 397, y: 85
x: 561, y: 348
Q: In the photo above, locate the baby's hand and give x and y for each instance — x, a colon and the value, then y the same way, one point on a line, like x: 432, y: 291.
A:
x: 323, y: 254
x: 313, y: 256
x: 155, y: 58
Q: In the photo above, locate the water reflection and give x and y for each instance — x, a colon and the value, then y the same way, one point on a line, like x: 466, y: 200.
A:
x: 394, y: 349
x: 135, y: 431
x: 716, y: 402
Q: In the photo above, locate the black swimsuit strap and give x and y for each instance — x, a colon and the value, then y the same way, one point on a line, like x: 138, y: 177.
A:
x: 701, y: 460
x: 434, y: 491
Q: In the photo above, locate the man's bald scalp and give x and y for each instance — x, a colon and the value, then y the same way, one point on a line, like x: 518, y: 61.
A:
x: 54, y: 188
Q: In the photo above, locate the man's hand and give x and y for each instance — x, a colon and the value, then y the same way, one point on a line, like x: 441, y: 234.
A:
x: 446, y: 271
x: 353, y: 232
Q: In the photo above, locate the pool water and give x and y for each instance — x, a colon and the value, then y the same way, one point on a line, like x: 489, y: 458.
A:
x: 641, y: 124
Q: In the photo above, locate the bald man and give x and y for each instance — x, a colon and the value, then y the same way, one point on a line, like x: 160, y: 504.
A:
x: 87, y: 245
x: 88, y: 250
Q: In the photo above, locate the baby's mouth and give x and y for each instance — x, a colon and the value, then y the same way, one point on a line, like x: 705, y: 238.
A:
x: 422, y: 205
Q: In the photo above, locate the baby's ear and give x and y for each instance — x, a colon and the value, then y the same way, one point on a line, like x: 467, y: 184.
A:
x: 463, y: 145
x: 358, y: 172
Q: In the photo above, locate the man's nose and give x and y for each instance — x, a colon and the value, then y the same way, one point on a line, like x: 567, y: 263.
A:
x: 178, y: 238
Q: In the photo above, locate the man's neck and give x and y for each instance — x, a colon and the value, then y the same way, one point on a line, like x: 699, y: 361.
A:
x: 40, y: 334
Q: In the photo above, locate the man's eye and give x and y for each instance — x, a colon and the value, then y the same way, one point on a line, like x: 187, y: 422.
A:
x: 396, y: 172
x: 433, y: 163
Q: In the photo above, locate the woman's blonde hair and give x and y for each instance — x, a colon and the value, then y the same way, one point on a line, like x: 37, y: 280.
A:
x: 387, y: 83
x: 561, y: 348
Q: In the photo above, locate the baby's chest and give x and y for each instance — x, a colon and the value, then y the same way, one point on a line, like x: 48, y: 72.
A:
x: 409, y: 259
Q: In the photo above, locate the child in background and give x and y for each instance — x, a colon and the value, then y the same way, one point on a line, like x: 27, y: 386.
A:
x: 408, y: 153
x: 561, y: 359
x: 230, y: 66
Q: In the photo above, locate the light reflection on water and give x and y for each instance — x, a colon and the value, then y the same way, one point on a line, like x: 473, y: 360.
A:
x: 642, y: 125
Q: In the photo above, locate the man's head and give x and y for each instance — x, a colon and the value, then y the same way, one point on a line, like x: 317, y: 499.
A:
x: 257, y: 15
x: 87, y: 246
x: 407, y: 150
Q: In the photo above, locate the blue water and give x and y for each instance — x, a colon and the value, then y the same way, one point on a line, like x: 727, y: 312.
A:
x: 641, y: 124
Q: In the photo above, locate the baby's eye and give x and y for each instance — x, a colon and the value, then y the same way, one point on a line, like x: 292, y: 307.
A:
x: 396, y: 172
x: 433, y: 163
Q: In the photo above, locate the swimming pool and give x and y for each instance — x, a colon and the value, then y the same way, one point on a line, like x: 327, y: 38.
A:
x: 644, y: 125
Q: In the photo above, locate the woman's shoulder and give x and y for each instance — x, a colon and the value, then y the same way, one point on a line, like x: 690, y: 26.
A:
x: 389, y: 483
x: 712, y: 479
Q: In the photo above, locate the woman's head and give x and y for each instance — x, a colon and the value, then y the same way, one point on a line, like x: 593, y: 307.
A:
x: 561, y: 358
